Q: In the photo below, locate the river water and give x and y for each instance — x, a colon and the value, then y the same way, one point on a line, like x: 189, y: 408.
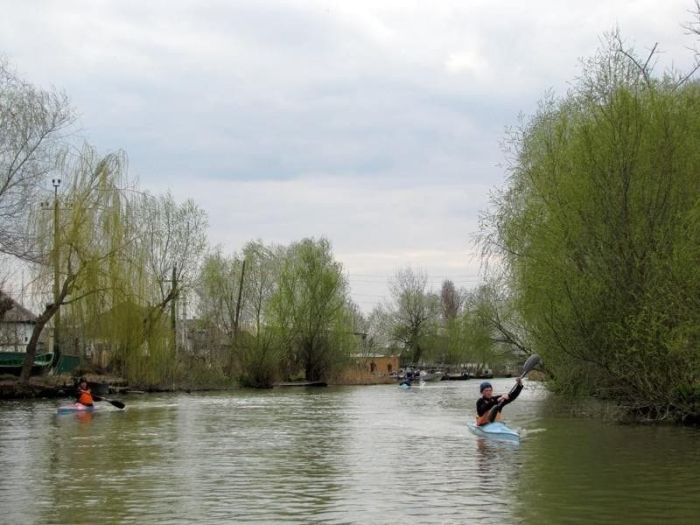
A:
x: 364, y: 455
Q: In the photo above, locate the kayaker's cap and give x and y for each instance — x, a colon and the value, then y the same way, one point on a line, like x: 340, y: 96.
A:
x: 82, y: 380
x: 483, y: 386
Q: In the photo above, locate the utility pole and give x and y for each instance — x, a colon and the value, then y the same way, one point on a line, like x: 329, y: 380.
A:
x: 238, y: 303
x: 183, y: 324
x: 56, y: 272
x: 235, y: 319
x: 173, y: 310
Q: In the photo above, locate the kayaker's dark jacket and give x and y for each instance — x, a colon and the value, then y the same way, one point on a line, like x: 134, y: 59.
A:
x: 483, y: 405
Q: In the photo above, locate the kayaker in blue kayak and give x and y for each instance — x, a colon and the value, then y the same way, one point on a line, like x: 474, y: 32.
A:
x: 489, y: 406
x: 84, y: 394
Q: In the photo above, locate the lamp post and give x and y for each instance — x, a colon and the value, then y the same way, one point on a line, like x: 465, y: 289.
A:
x: 56, y: 268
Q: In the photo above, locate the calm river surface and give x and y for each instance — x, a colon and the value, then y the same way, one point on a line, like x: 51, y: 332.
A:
x: 365, y: 455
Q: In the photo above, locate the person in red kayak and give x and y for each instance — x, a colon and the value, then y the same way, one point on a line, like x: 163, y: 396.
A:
x: 489, y: 406
x: 84, y: 394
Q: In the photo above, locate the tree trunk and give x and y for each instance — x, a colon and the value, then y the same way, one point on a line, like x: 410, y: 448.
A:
x: 41, y: 321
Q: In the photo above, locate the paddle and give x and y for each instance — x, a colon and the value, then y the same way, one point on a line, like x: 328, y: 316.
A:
x: 529, y: 364
x: 112, y: 402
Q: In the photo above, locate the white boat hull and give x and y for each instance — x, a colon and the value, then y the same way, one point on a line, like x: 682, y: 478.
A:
x: 495, y: 430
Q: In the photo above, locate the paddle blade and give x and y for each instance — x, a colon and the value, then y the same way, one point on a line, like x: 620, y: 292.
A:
x: 115, y: 403
x: 531, y: 363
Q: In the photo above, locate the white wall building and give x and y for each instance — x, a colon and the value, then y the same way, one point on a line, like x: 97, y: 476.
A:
x: 16, y: 325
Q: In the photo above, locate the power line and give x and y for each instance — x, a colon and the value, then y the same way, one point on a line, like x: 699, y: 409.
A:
x: 381, y: 276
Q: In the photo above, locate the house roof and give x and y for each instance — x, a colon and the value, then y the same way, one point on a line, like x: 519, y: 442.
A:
x: 16, y: 312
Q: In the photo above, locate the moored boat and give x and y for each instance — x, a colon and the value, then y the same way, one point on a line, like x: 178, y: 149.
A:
x: 462, y: 376
x: 495, y: 430
x: 430, y: 376
x: 12, y: 362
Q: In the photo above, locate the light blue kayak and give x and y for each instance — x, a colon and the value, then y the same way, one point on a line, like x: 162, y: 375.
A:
x: 75, y: 408
x: 495, y: 430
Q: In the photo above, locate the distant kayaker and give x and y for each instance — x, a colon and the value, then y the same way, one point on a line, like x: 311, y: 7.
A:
x: 84, y: 394
x: 488, y: 406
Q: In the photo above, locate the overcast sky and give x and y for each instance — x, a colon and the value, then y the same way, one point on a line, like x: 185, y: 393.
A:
x: 376, y: 124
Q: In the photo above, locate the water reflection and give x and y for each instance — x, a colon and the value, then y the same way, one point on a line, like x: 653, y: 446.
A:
x: 596, y: 472
x: 337, y: 455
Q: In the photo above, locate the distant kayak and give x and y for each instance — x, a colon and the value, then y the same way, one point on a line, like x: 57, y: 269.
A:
x: 75, y: 408
x: 495, y: 430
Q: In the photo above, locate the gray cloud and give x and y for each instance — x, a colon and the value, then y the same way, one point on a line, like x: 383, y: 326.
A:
x: 376, y: 124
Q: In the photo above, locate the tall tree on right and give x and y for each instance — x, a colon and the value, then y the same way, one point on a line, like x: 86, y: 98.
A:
x: 599, y: 231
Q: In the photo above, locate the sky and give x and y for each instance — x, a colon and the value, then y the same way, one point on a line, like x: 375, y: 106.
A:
x: 376, y: 124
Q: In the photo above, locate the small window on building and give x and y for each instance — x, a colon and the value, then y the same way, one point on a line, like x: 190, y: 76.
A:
x: 372, y: 366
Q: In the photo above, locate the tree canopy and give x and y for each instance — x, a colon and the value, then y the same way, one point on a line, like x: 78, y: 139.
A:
x: 599, y: 230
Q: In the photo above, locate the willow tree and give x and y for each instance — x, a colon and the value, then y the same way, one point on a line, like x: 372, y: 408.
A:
x: 308, y: 310
x: 599, y: 228
x: 125, y: 312
x: 74, y: 254
x: 167, y: 239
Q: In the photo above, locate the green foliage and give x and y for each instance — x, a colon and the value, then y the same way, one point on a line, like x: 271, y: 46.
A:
x: 218, y: 291
x: 117, y: 277
x: 261, y: 357
x: 483, y: 333
x: 599, y: 231
x: 196, y: 372
x: 308, y: 311
x: 413, y: 315
x: 251, y: 350
x: 293, y: 314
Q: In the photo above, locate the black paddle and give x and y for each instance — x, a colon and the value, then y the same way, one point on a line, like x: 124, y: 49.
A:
x: 112, y: 402
x: 529, y: 364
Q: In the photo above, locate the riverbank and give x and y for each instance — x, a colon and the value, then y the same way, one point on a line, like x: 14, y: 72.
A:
x: 61, y: 386
x: 56, y: 386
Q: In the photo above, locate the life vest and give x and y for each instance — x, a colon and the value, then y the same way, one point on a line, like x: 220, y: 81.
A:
x: 85, y: 397
x: 482, y: 420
